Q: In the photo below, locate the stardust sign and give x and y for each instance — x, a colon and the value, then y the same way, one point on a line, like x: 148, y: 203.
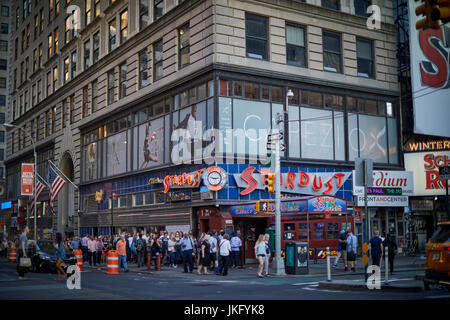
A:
x: 425, y: 166
x: 27, y: 179
x: 320, y: 183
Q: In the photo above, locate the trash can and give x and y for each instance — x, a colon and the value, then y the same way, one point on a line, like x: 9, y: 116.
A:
x: 297, y: 258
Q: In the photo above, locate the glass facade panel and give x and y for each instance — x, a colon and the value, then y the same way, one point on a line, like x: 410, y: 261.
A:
x: 317, y: 134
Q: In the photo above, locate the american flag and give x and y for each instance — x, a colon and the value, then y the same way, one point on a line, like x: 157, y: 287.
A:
x: 39, y: 188
x: 56, y: 184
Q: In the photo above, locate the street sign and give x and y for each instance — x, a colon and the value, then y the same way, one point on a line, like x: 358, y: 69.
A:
x: 275, y: 136
x: 27, y: 179
x: 444, y: 173
x: 359, y: 172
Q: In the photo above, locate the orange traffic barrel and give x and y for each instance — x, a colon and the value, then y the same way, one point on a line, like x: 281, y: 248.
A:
x: 78, y: 253
x: 158, y: 262
x: 12, y: 255
x: 112, y: 262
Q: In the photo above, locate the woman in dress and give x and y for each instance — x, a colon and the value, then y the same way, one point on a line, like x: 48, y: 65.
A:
x: 205, y: 255
x: 260, y: 253
x: 60, y: 256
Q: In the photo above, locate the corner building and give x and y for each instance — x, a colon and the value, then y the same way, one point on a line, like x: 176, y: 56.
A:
x: 103, y: 102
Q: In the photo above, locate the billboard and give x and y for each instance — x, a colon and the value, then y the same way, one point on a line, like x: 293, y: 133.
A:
x: 430, y: 76
x: 27, y: 179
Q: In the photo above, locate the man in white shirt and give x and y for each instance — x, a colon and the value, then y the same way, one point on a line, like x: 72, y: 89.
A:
x: 224, y: 253
x: 213, y: 250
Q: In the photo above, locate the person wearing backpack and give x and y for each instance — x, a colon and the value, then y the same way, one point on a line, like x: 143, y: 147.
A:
x: 140, y: 250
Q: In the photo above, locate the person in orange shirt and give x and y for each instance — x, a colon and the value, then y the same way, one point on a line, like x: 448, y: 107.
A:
x: 122, y: 251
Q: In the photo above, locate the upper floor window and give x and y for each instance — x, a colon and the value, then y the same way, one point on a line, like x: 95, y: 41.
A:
x: 3, y: 64
x: 3, y: 45
x: 158, y: 9
x: 295, y: 45
x: 50, y: 45
x: 143, y: 14
x: 56, y: 40
x: 183, y: 46
x: 49, y: 83
x: 5, y: 11
x: 332, y: 52
x: 56, y: 7
x: 55, y: 78
x: 24, y: 16
x: 87, y: 53
x: 66, y: 70
x: 143, y: 68
x: 94, y: 95
x: 73, y: 70
x: 331, y: 4
x: 364, y: 52
x: 4, y: 28
x: 86, y: 109
x: 96, y: 8
x: 361, y: 7
x: 42, y: 20
x: 256, y: 33
x: 36, y: 26
x: 123, y: 26
x: 123, y: 80
x: 158, y: 60
x: 111, y: 98
x: 88, y: 11
x: 96, y: 49
x: 112, y: 35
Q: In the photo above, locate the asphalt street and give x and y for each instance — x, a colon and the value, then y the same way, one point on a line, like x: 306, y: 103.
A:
x: 175, y: 285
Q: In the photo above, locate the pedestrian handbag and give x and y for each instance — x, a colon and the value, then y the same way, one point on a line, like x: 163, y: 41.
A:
x: 25, y: 262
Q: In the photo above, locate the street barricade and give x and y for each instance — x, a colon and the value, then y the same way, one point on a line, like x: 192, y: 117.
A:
x: 112, y: 262
x: 12, y: 255
x: 78, y: 253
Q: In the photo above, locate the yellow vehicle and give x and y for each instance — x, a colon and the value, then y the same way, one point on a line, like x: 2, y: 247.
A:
x: 437, y: 266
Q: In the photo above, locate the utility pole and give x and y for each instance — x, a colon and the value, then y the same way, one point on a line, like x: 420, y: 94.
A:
x: 278, y: 259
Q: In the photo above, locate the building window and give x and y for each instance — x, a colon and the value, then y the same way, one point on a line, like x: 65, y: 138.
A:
x: 361, y: 7
x: 55, y: 78
x: 183, y: 46
x: 256, y: 32
x: 42, y: 20
x: 2, y: 100
x: 16, y: 48
x: 5, y: 11
x: 123, y: 81
x: 39, y: 90
x: 96, y: 51
x: 94, y: 95
x: 63, y: 114
x: 28, y: 35
x: 73, y: 70
x: 332, y: 52
x: 158, y: 60
x: 35, y: 59
x: 2, y: 118
x: 112, y: 35
x: 56, y: 40
x: 24, y: 16
x: 41, y: 52
x: 4, y: 45
x: 67, y: 30
x: 111, y: 86
x: 50, y: 45
x: 88, y: 11
x: 72, y: 108
x: 3, y: 64
x: 123, y: 26
x: 2, y: 82
x: 33, y: 95
x: 158, y: 9
x: 53, y: 119
x: 96, y: 8
x: 143, y: 68
x: 364, y: 52
x: 66, y: 70
x: 143, y: 14
x: 86, y: 109
x: 56, y: 7
x: 49, y: 84
x: 36, y: 26
x: 2, y: 154
x: 48, y: 120
x: 87, y: 53
x: 22, y: 70
x: 24, y: 45
x: 17, y: 17
x: 331, y: 4
x: 50, y: 10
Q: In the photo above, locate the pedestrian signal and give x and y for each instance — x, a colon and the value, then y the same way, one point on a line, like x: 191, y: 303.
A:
x: 426, y: 9
x: 262, y: 206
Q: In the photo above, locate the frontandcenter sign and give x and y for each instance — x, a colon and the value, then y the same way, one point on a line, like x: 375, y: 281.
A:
x: 425, y: 167
x: 317, y: 183
x: 383, y: 201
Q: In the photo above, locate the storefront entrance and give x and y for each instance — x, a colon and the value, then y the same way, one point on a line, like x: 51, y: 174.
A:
x: 251, y: 229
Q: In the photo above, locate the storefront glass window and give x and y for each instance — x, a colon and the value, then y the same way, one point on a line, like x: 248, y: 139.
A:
x: 333, y: 230
x: 149, y: 198
x: 373, y: 138
x: 294, y: 131
x: 289, y: 231
x: 339, y: 136
x: 318, y: 230
x: 139, y: 199
x: 302, y: 231
x: 317, y: 134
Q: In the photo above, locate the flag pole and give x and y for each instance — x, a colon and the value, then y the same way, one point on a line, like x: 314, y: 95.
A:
x: 59, y: 171
x: 42, y: 180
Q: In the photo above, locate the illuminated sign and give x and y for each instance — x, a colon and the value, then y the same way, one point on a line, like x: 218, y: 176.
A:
x: 6, y: 205
x: 155, y: 181
x: 315, y: 184
x: 327, y: 204
x: 384, y: 191
x: 27, y: 179
x: 429, y: 145
x: 177, y: 196
x: 214, y: 178
x: 184, y: 180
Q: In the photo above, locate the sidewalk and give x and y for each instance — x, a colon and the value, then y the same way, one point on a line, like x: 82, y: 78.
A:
x: 319, y: 269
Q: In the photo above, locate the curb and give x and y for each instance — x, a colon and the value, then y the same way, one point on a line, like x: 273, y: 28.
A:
x: 363, y: 287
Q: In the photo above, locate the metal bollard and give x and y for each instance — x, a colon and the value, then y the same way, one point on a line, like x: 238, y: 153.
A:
x: 386, y: 266
x: 328, y: 265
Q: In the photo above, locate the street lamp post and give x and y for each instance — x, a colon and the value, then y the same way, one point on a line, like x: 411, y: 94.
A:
x: 35, y: 174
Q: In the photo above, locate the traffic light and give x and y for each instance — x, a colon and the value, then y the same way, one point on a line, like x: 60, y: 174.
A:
x: 269, y: 183
x: 426, y: 10
x: 443, y: 12
x: 262, y: 206
x: 114, y: 196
